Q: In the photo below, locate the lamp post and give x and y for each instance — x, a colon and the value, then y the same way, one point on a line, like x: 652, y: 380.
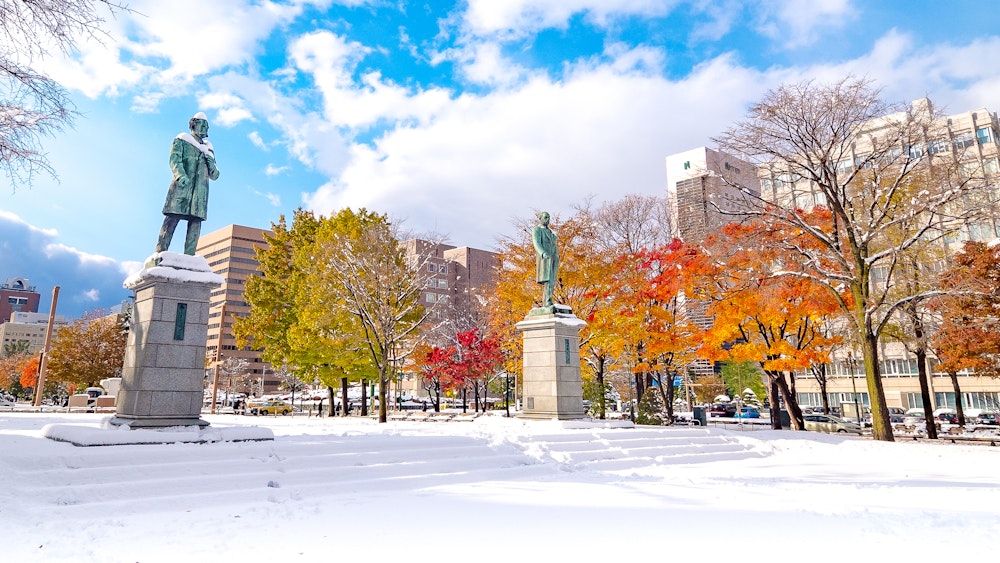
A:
x: 854, y: 386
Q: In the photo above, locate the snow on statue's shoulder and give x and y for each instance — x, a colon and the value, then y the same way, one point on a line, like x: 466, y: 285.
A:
x: 176, y: 267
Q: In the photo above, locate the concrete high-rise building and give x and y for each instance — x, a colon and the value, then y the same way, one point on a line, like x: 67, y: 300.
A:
x: 17, y: 295
x: 704, y: 189
x: 231, y: 253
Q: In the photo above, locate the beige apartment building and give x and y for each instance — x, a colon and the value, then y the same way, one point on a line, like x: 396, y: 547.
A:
x: 29, y: 328
x: 972, y: 138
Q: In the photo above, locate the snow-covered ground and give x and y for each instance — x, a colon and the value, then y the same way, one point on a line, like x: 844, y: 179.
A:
x: 489, y: 490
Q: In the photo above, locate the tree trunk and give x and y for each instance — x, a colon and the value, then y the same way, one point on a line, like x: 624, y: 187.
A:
x: 822, y: 389
x: 958, y: 398
x: 330, y: 395
x: 772, y: 400
x: 437, y: 395
x: 639, y: 387
x: 791, y: 403
x: 881, y: 428
x: 383, y: 396
x: 923, y: 378
x: 601, y: 407
x: 344, y: 402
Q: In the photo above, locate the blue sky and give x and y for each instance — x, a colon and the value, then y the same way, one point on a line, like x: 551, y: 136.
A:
x: 453, y: 118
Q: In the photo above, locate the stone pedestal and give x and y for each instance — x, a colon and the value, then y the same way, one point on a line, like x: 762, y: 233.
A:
x: 552, y: 386
x: 164, y: 370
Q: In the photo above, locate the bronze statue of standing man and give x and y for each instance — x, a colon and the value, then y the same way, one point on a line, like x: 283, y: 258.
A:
x: 192, y: 160
x: 547, y: 259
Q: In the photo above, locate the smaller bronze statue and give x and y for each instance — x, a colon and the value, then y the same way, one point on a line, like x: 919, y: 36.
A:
x: 192, y: 160
x: 547, y: 259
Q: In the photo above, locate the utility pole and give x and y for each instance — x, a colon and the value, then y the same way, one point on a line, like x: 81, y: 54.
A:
x: 218, y: 358
x: 43, y: 364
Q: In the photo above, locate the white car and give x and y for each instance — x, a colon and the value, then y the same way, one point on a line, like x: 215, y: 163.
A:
x: 913, y: 418
x: 830, y: 424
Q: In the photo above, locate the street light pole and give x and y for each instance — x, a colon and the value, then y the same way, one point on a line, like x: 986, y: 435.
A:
x: 854, y: 386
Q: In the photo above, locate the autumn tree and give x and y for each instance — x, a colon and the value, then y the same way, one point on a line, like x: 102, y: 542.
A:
x: 369, y: 277
x: 658, y: 310
x: 13, y: 357
x: 968, y: 335
x: 777, y: 322
x: 869, y: 164
x: 29, y: 374
x: 88, y: 350
x: 294, y: 319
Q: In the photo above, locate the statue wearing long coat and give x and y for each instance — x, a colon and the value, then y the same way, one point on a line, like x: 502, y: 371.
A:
x: 196, y: 162
x: 547, y: 262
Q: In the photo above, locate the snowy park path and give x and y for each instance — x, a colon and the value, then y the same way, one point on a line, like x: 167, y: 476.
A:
x: 425, y: 490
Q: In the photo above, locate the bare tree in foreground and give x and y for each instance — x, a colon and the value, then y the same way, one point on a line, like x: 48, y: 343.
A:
x: 840, y: 148
x: 33, y: 105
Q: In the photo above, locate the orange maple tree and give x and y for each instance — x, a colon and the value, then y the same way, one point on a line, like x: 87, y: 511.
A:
x: 968, y: 336
x: 776, y: 321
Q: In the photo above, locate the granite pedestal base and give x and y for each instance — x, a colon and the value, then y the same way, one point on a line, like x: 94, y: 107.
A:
x: 164, y: 370
x: 552, y: 386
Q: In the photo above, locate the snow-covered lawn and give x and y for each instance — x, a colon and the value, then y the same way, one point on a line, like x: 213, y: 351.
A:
x: 489, y: 490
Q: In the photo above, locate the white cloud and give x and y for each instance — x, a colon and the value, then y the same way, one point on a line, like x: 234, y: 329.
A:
x: 55, y: 249
x: 272, y: 170
x: 92, y: 295
x: 21, y: 223
x: 604, y: 130
x: 546, y: 144
x: 518, y: 18
x: 796, y: 23
x: 273, y: 199
x: 331, y: 62
x: 231, y: 109
x: 257, y: 141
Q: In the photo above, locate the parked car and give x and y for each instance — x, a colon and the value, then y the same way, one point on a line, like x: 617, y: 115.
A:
x: 722, y: 409
x: 747, y: 412
x: 269, y: 407
x: 896, y: 414
x: 914, y: 417
x: 947, y: 417
x: 830, y: 424
x: 989, y: 418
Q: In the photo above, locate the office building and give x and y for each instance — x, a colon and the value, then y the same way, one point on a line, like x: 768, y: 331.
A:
x: 17, y: 295
x: 971, y: 137
x: 230, y: 252
x: 704, y: 190
x: 28, y: 328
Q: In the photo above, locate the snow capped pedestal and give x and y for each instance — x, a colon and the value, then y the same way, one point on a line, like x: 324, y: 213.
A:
x: 165, y: 356
x: 551, y: 366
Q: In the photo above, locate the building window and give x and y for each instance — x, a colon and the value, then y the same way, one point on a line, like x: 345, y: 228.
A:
x: 443, y: 269
x: 963, y: 140
x: 442, y: 284
x: 981, y: 231
x: 431, y: 268
x: 432, y: 298
x: 985, y: 135
x: 990, y: 166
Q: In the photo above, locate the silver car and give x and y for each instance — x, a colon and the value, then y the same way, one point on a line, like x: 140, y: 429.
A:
x: 830, y: 424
